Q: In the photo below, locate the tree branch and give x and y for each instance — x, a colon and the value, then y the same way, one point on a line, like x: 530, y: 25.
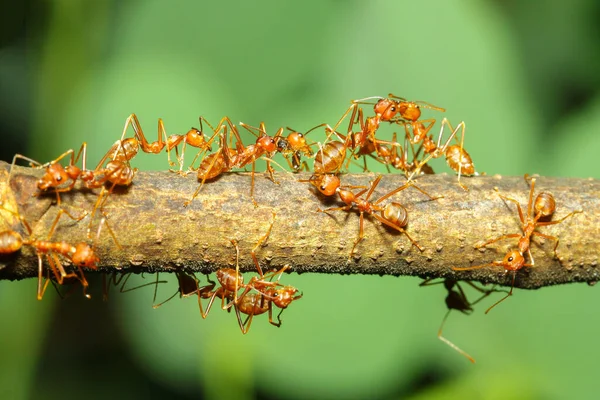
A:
x: 158, y: 234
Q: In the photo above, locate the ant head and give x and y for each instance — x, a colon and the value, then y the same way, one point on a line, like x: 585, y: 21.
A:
x: 84, y: 256
x: 327, y: 184
x: 194, y: 132
x: 396, y: 213
x: 513, y: 261
x: 283, y: 145
x: 409, y: 110
x: 195, y: 137
x: 54, y: 176
x: 544, y: 205
x: 297, y: 140
x: 267, y: 143
x: 386, y: 108
x: 283, y: 297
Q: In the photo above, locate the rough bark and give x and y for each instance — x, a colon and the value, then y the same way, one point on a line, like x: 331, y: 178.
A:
x: 157, y: 233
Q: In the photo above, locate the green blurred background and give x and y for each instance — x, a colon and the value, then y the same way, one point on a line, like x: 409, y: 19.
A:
x: 524, y: 76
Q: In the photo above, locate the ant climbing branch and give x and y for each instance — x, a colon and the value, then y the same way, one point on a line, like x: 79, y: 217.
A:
x: 158, y: 234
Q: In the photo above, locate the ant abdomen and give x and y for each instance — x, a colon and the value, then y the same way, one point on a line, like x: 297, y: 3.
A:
x: 227, y: 279
x: 10, y: 242
x: 458, y: 159
x: 544, y: 205
x: 396, y: 213
x: 330, y: 157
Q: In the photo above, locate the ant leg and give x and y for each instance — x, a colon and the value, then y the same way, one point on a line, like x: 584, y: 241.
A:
x: 509, y: 236
x: 41, y: 290
x: 327, y: 210
x: 204, y: 314
x: 203, y: 292
x: 125, y: 290
x: 399, y: 229
x: 252, y: 185
x: 260, y: 243
x: 213, y: 161
x: 237, y: 274
x: 245, y: 327
x: 546, y: 223
x: 555, y: 238
x: 431, y: 282
x: 155, y: 306
x: 58, y: 215
x: 448, y: 342
x: 485, y: 292
x: 518, y: 205
x: 360, y: 235
x: 444, y: 148
x: 530, y: 202
x: 278, y: 323
x: 507, y: 295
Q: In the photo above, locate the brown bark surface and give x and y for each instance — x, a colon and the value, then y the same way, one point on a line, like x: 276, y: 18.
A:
x: 157, y: 233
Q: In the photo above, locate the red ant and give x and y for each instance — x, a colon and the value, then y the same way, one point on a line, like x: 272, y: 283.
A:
x: 116, y: 173
x: 218, y: 162
x: 81, y: 255
x: 457, y: 157
x: 364, y: 142
x: 393, y: 214
x: 195, y: 138
x: 256, y: 303
x: 265, y: 145
x: 514, y: 260
x: 125, y: 149
x: 295, y: 145
x: 457, y: 300
x: 61, y: 179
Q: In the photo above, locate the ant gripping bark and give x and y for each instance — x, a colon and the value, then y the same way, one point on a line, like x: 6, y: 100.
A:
x: 544, y: 206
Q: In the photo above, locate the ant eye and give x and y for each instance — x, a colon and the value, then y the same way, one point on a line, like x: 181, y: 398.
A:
x: 301, y: 135
x: 59, y: 178
x: 510, y: 258
x: 323, y: 187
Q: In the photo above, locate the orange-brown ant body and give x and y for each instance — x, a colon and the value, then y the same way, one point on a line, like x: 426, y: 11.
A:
x: 81, y: 254
x: 544, y: 206
x: 417, y: 131
x: 393, y: 215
